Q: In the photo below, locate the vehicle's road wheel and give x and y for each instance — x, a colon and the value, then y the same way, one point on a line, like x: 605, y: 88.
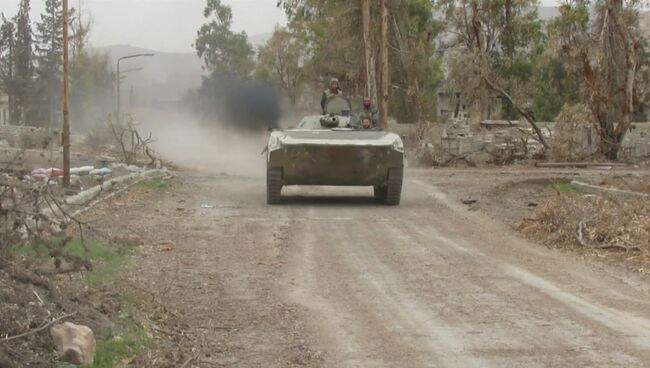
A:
x: 273, y: 185
x: 394, y: 188
x: 380, y: 193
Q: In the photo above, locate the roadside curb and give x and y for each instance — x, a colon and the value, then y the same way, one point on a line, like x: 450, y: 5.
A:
x: 88, y: 195
x: 93, y: 196
x: 610, y: 192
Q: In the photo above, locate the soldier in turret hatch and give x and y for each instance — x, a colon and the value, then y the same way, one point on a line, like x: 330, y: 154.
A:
x: 370, y: 110
x: 334, y: 89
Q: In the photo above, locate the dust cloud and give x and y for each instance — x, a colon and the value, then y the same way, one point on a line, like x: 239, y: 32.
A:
x: 215, y: 148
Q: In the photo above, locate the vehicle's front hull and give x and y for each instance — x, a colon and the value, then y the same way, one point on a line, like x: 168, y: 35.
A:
x: 342, y: 165
x: 337, y: 157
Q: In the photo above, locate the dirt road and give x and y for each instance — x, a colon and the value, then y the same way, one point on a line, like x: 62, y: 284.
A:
x: 332, y: 279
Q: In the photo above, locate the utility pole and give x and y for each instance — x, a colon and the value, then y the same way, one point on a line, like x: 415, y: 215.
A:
x: 383, y: 113
x: 118, y: 112
x: 66, y: 113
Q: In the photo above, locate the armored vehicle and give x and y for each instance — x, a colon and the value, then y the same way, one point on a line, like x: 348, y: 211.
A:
x: 334, y: 149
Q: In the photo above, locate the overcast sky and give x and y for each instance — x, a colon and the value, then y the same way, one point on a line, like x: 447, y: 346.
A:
x: 165, y: 25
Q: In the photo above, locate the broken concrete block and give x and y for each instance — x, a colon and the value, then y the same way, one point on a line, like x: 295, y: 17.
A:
x: 74, y: 343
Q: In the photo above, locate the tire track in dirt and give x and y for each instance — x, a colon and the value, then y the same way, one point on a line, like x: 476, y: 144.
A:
x: 426, y: 284
x: 439, y: 299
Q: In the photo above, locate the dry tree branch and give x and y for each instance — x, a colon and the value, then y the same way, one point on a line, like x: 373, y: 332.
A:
x: 41, y: 328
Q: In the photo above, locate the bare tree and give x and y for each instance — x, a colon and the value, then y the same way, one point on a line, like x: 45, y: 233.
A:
x: 369, y: 50
x: 484, y: 28
x: 384, y: 66
x: 607, y: 46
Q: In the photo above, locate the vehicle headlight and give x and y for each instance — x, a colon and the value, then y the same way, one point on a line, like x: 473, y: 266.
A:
x: 275, y: 143
x: 398, y: 145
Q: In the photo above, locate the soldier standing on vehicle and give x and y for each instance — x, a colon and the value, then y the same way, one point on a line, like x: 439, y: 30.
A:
x: 333, y: 90
x: 370, y: 110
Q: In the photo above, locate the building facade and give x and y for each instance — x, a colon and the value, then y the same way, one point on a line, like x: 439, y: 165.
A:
x: 457, y: 105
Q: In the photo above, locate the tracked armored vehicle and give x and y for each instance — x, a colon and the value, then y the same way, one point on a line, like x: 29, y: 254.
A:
x: 334, y: 149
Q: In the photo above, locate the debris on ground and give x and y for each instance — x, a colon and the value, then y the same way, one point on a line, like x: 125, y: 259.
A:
x: 74, y: 343
x: 592, y: 221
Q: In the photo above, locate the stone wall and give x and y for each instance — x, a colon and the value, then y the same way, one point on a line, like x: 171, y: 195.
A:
x: 16, y: 159
x: 504, y: 142
x: 27, y: 159
x: 26, y: 137
x: 637, y: 141
x: 496, y: 142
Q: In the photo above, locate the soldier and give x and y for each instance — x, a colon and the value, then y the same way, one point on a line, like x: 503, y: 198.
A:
x: 366, y: 122
x: 333, y: 90
x: 370, y: 110
x: 363, y: 122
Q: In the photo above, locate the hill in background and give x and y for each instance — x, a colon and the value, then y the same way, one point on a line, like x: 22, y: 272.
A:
x: 165, y: 77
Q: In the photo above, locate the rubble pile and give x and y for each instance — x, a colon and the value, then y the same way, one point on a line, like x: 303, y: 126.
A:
x: 503, y: 142
x: 496, y: 142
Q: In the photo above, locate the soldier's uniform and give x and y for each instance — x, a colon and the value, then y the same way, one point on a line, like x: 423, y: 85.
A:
x: 328, y: 93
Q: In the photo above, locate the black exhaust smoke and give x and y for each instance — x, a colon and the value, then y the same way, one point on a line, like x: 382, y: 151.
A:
x: 241, y: 104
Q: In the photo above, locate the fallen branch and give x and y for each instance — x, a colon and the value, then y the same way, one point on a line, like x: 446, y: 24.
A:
x: 580, y: 237
x: 578, y: 164
x: 36, y: 330
x: 620, y: 248
x: 170, y: 333
x: 525, y: 114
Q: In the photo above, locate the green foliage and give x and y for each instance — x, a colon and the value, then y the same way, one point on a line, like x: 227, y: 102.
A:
x: 505, y: 48
x: 7, y: 46
x: 417, y: 71
x: 23, y: 64
x: 600, y: 40
x: 330, y: 36
x: 280, y: 62
x: 155, y: 183
x: 107, y: 261
x: 49, y: 62
x: 556, y: 87
x: 223, y: 51
x: 566, y: 188
x: 31, y: 67
x: 128, y: 339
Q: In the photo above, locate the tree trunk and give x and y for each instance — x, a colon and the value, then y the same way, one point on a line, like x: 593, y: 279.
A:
x: 371, y: 78
x: 611, y: 81
x: 524, y: 113
x: 383, y: 114
x: 13, y: 111
x: 630, y: 69
x: 480, y: 51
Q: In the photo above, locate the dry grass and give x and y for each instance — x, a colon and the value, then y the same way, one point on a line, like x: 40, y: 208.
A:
x: 576, y: 220
x: 571, y: 139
